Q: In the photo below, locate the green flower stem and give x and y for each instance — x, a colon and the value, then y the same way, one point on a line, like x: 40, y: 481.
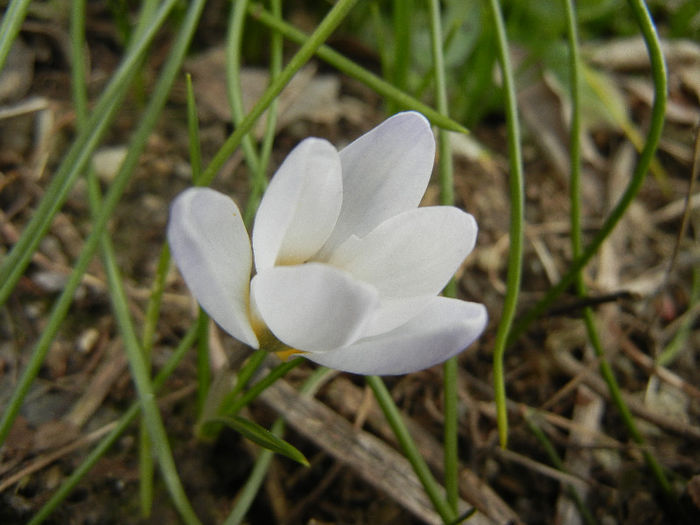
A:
x: 351, y: 69
x: 446, y: 172
x: 323, y: 31
x: 75, y: 160
x: 255, y: 390
x: 247, y: 494
x: 122, y: 425
x: 11, y: 24
x: 658, y: 68
x: 393, y: 416
x: 517, y: 223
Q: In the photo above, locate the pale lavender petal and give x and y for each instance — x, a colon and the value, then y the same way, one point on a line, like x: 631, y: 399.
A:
x: 313, y: 307
x: 413, y: 253
x: 300, y: 207
x: 211, y: 248
x: 385, y: 172
x: 440, y: 331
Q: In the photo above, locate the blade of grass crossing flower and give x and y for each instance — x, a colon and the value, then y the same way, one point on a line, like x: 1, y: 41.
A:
x: 75, y: 160
x: 387, y: 90
x: 658, y: 68
x: 193, y: 132
x: 517, y: 222
x: 420, y: 467
x: 334, y: 17
x: 203, y: 368
x: 123, y: 424
x: 259, y: 181
x: 402, y: 22
x: 11, y: 24
x: 234, y: 39
x: 445, y: 170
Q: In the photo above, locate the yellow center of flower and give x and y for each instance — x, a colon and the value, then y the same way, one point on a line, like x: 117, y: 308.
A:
x: 270, y: 343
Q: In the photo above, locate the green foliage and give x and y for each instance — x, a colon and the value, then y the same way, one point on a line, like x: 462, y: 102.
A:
x: 263, y: 437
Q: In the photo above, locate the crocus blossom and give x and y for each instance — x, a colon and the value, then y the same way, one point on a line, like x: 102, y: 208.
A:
x: 347, y: 267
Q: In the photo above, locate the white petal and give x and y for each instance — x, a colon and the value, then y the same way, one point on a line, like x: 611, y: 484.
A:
x: 211, y: 248
x: 439, y: 332
x: 392, y: 313
x: 385, y: 172
x: 300, y: 207
x: 313, y: 307
x: 413, y: 253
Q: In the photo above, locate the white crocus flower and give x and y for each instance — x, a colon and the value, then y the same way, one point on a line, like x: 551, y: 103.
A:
x: 347, y: 266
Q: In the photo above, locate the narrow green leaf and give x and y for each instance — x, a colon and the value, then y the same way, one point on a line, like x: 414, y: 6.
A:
x: 263, y: 437
x: 350, y: 68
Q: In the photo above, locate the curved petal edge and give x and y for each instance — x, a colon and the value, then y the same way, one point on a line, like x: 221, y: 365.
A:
x: 440, y: 331
x: 211, y: 248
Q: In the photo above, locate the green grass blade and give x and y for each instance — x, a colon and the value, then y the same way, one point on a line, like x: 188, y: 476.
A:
x: 234, y: 40
x: 138, y: 142
x: 658, y: 112
x: 446, y: 175
x: 247, y: 494
x: 403, y: 13
x: 259, y: 179
x: 410, y: 450
x: 10, y: 26
x: 517, y: 222
x: 323, y: 31
x: 75, y: 160
x: 123, y: 424
x: 387, y: 90
x: 263, y: 437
